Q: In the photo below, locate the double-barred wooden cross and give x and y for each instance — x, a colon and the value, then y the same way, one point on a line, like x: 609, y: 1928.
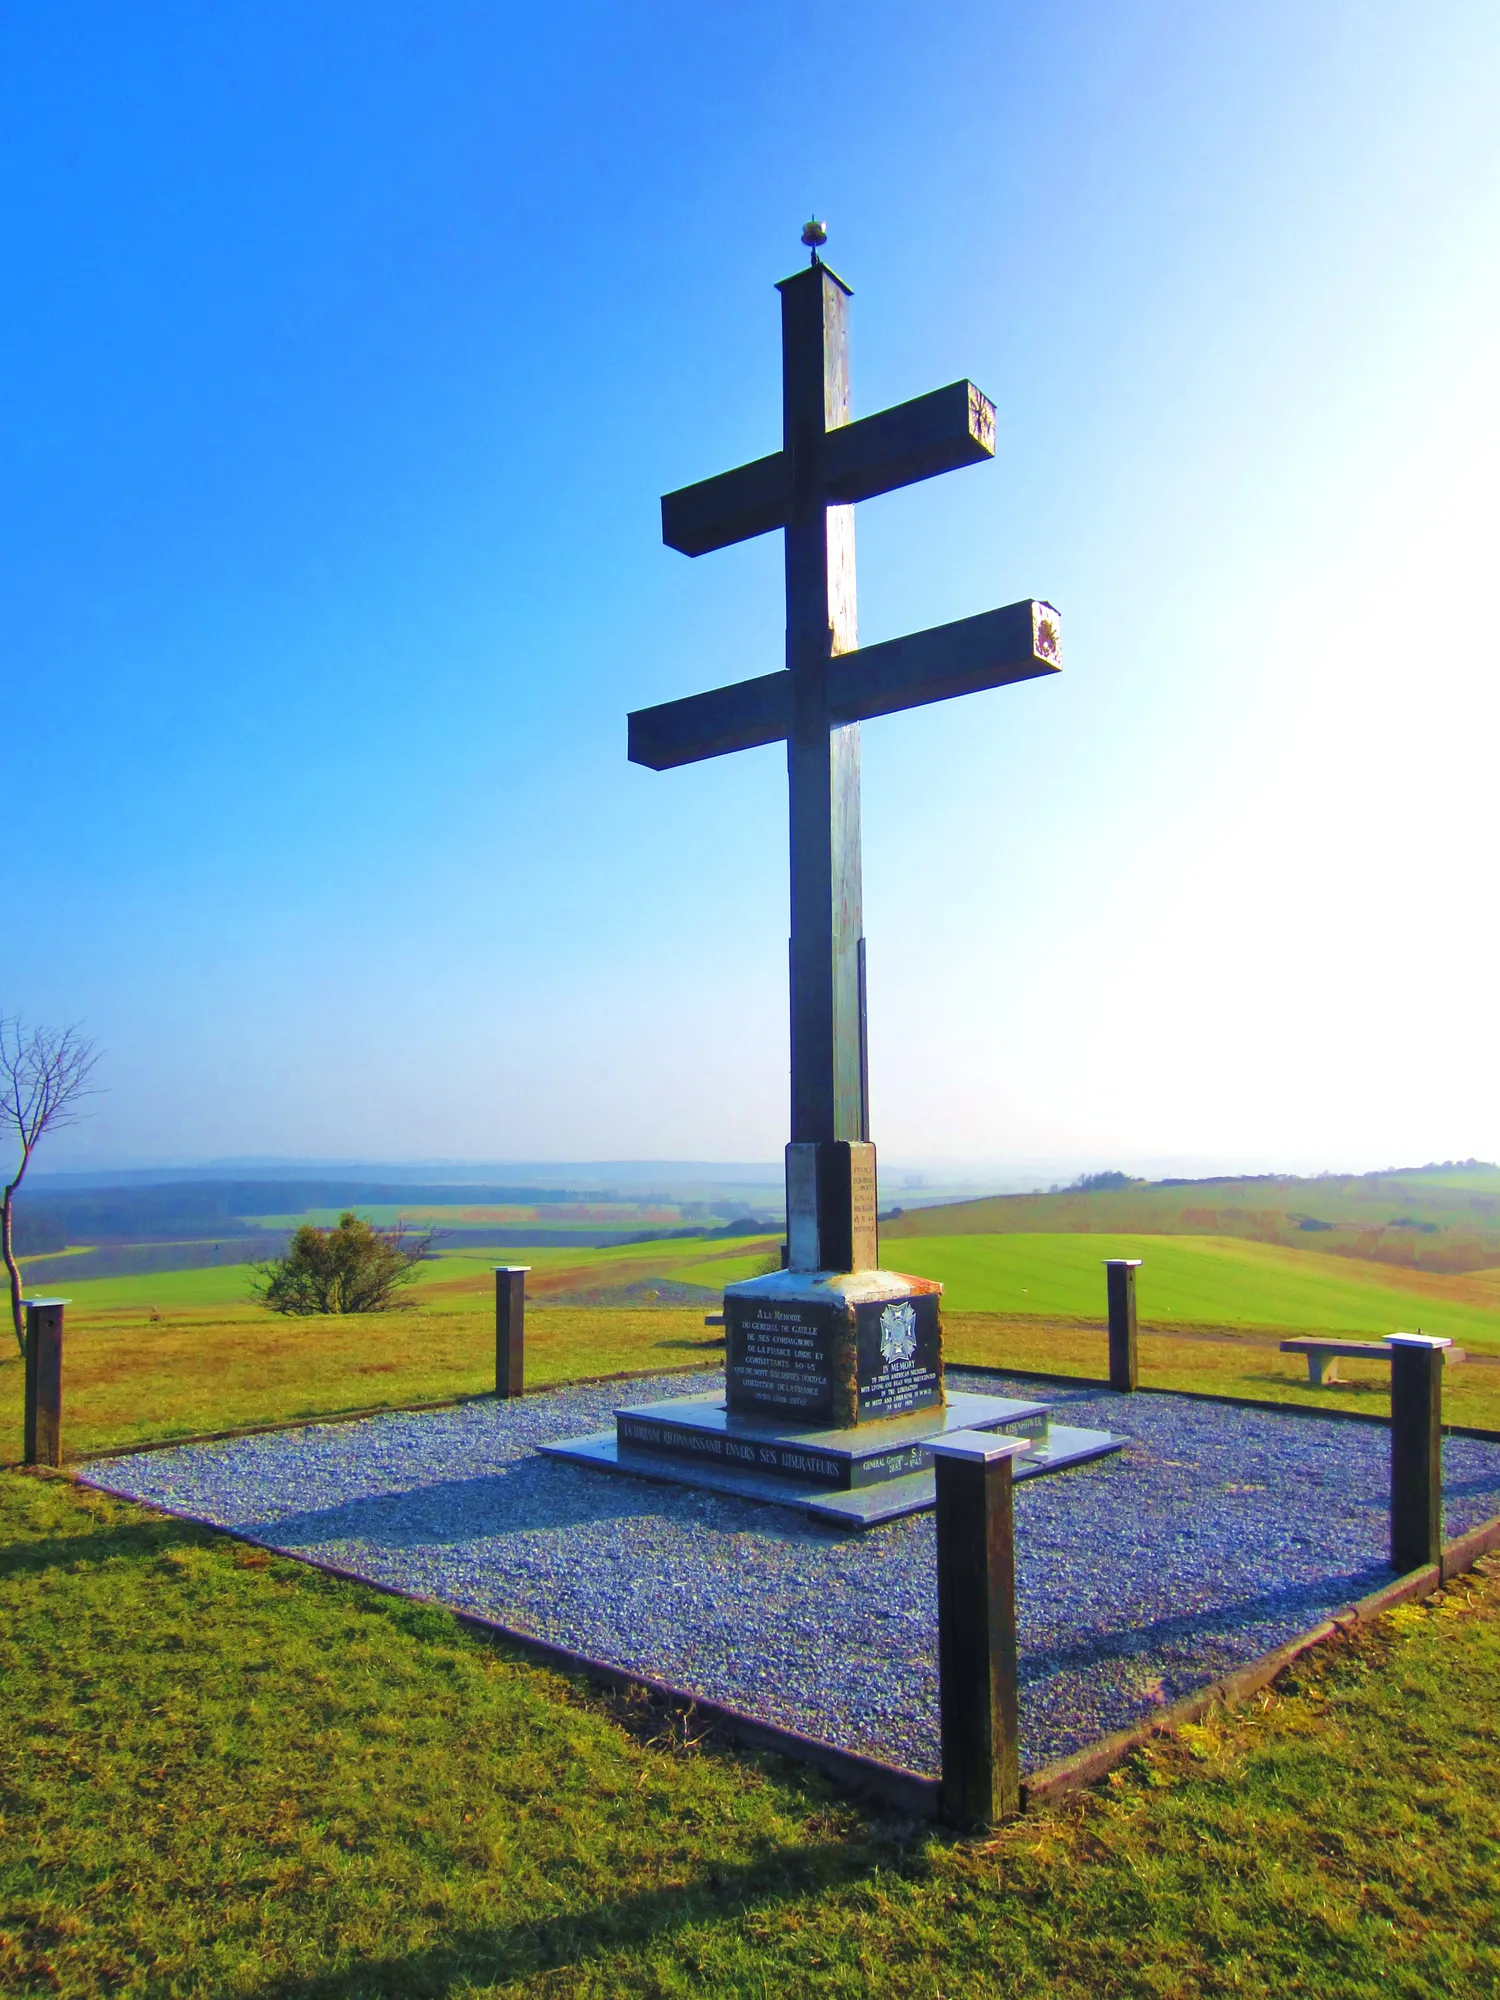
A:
x: 829, y: 686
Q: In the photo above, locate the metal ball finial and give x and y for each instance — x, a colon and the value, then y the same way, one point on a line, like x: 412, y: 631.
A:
x: 814, y: 233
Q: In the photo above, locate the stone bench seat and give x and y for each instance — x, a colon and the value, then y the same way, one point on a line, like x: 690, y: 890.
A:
x: 1324, y: 1356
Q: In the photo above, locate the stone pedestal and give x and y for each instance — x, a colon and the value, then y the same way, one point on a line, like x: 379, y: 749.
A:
x: 833, y: 1348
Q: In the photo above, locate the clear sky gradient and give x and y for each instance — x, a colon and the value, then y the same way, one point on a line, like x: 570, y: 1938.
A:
x: 348, y: 350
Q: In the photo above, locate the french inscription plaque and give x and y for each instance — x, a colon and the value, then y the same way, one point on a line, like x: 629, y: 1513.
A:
x: 780, y: 1357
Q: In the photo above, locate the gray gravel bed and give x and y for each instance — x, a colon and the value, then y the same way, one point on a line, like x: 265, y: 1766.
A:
x: 1215, y: 1535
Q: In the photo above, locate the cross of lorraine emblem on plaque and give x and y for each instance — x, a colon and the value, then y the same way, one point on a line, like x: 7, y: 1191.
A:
x: 898, y: 1331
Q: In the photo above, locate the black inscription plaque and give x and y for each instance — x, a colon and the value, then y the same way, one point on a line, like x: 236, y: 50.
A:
x: 900, y: 1355
x: 779, y: 1359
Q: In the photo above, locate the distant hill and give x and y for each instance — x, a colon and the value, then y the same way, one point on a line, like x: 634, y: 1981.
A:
x: 170, y: 1211
x: 1444, y: 1217
x: 187, y: 1224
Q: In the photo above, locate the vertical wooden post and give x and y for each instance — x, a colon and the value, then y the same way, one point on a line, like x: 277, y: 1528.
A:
x: 510, y: 1329
x: 1416, y: 1450
x: 43, y: 1423
x: 1124, y: 1372
x: 977, y: 1687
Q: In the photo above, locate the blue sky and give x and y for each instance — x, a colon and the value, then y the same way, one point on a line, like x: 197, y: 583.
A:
x: 350, y: 349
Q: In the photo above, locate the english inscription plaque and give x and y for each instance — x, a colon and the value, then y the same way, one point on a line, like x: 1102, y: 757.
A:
x: 900, y: 1356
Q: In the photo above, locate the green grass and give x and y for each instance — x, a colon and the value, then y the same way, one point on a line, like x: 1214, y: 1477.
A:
x: 168, y: 1291
x: 1213, y: 1281
x: 731, y: 1268
x: 221, y: 1774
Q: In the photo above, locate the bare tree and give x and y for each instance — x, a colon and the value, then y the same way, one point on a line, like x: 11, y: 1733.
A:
x: 44, y: 1072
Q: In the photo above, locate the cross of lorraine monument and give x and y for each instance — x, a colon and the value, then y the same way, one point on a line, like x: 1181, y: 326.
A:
x: 834, y: 1368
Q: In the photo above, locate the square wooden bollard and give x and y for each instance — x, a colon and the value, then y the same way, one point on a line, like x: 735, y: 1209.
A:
x: 510, y: 1329
x: 1124, y: 1370
x: 1416, y: 1450
x: 43, y: 1420
x: 977, y: 1679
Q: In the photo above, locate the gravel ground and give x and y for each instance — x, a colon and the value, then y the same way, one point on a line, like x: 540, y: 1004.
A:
x: 1216, y: 1534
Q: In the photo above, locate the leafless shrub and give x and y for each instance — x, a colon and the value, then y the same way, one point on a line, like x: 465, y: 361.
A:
x: 44, y: 1075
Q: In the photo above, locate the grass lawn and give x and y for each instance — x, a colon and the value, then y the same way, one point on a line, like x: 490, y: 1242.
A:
x: 221, y: 1774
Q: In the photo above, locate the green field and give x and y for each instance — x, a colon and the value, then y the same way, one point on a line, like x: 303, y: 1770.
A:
x: 1426, y: 1219
x: 1202, y: 1281
x: 1184, y: 1281
x: 437, y: 1290
x: 467, y: 1220
x: 166, y: 1291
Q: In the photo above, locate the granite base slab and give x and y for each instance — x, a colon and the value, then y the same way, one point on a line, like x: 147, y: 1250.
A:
x: 864, y: 1454
x: 858, y: 1505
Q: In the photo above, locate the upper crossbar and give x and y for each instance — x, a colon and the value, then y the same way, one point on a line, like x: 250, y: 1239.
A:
x: 897, y: 447
x: 996, y: 649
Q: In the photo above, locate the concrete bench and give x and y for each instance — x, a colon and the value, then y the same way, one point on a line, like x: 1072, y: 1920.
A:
x: 1324, y: 1356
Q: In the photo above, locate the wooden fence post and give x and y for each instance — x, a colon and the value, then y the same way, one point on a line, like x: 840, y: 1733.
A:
x: 1124, y: 1372
x: 510, y: 1329
x: 1416, y: 1450
x: 43, y: 1423
x: 977, y: 1688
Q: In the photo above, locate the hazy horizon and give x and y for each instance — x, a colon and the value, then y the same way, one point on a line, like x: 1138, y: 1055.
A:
x: 999, y: 1177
